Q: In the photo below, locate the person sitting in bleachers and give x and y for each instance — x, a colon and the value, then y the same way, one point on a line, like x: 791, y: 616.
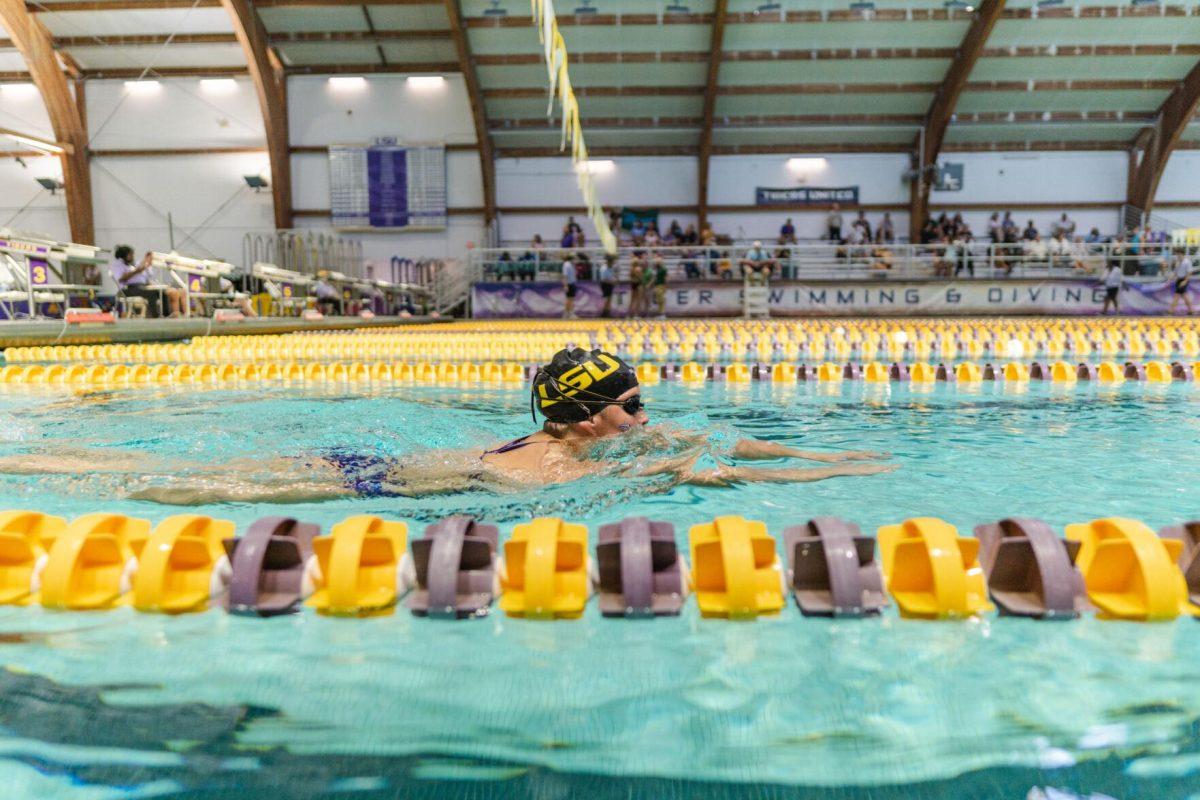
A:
x: 787, y: 233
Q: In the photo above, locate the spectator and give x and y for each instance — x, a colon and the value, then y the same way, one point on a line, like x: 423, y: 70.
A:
x: 527, y: 269
x: 637, y: 268
x: 134, y: 281
x: 1031, y: 232
x: 944, y: 259
x: 1036, y: 251
x: 1113, y: 280
x: 1081, y: 259
x: 1182, y: 274
x: 881, y: 258
x: 675, y: 233
x: 637, y: 232
x: 757, y: 263
x: 929, y: 232
x: 1065, y: 226
x: 1094, y: 237
x: 503, y: 266
x: 1009, y: 228
x: 887, y: 231
x: 863, y: 225
x: 995, y: 229
x: 649, y: 276
x: 783, y: 257
x: 688, y: 260
x: 963, y: 260
x: 660, y: 287
x: 608, y: 279
x: 579, y: 240
x: 958, y: 226
x: 573, y: 226
x: 1059, y: 249
x: 833, y: 223
x: 652, y: 238
x: 583, y: 267
x: 570, y: 288
x: 787, y: 233
x: 690, y: 236
x: 568, y: 238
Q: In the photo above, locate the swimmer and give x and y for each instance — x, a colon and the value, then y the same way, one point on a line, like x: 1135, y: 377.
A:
x: 591, y: 401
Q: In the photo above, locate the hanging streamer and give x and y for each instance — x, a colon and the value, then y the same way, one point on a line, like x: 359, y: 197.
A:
x: 555, y: 50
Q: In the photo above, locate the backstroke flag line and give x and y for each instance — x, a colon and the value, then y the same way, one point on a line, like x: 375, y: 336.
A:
x: 555, y: 49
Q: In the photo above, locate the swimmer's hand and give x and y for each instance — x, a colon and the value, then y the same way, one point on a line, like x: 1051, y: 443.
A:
x: 724, y: 476
x: 750, y: 449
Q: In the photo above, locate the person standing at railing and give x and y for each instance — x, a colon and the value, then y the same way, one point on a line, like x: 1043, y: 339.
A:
x: 660, y: 287
x: 1114, y: 279
x: 995, y: 230
x: 787, y: 233
x: 570, y: 288
x: 833, y: 223
x: 886, y: 234
x: 1182, y: 274
x: 608, y: 278
x: 1064, y: 225
x: 637, y: 268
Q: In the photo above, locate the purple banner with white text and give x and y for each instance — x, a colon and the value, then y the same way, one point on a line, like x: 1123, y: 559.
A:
x: 827, y: 298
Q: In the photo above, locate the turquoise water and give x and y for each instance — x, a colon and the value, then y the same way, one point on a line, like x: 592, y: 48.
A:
x: 119, y: 704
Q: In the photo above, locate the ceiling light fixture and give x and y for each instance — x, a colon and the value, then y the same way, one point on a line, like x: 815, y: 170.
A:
x: 144, y: 88
x: 596, y: 166
x: 585, y: 10
x: 18, y: 89
x: 37, y: 144
x: 426, y: 81
x: 495, y: 10
x: 218, y: 86
x: 351, y: 83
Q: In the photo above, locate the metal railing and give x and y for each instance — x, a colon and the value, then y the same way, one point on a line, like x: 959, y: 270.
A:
x: 1044, y: 259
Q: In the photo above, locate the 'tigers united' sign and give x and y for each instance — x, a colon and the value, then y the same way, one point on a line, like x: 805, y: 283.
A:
x: 806, y: 196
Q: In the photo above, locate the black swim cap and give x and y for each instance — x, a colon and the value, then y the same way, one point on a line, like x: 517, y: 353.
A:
x: 576, y: 384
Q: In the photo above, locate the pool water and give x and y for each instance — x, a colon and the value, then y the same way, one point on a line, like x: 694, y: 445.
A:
x: 120, y: 704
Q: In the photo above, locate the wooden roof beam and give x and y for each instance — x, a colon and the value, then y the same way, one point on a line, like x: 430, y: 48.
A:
x: 1156, y: 146
x: 937, y: 119
x: 487, y: 158
x: 712, y: 83
x: 270, y: 83
x: 37, y: 49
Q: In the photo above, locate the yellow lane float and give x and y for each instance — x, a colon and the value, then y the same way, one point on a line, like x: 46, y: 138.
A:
x: 735, y: 571
x: 91, y: 562
x: 359, y: 564
x: 931, y: 571
x: 545, y: 571
x: 968, y: 372
x: 25, y: 537
x: 177, y: 568
x: 1129, y: 571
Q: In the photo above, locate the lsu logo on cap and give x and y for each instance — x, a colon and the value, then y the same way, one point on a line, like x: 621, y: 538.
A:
x: 579, y: 378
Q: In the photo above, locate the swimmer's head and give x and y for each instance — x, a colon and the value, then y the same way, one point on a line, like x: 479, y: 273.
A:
x: 595, y: 393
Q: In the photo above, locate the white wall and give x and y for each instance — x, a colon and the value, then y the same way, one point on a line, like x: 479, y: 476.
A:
x: 23, y: 204
x: 734, y: 179
x: 209, y: 204
x: 552, y: 182
x: 321, y: 115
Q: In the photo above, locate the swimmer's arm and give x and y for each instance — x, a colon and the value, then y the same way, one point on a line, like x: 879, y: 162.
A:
x: 750, y: 449
x: 728, y: 476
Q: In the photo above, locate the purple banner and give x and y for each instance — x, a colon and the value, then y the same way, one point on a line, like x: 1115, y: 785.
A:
x: 860, y: 298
